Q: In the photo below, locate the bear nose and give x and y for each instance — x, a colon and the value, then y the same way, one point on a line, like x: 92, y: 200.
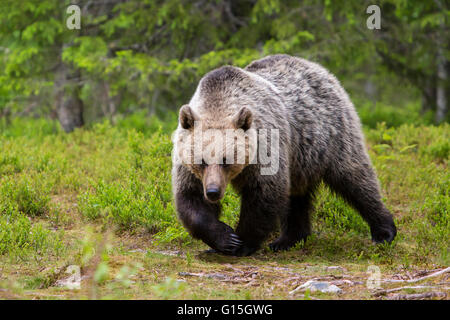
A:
x: 213, y: 193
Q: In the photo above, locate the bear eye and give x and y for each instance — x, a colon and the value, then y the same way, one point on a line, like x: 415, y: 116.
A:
x: 204, y: 164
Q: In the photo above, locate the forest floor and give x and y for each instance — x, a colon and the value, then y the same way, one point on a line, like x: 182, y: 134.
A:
x: 90, y: 216
x: 133, y: 268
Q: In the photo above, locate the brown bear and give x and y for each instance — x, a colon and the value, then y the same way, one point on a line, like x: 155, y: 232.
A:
x: 318, y: 138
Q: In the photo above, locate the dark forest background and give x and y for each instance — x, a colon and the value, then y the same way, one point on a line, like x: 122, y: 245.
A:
x: 145, y: 57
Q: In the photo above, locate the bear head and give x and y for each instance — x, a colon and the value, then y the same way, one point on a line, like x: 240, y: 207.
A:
x: 215, y: 148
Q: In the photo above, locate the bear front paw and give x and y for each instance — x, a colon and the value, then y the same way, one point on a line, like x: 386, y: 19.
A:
x: 384, y: 233
x: 230, y: 244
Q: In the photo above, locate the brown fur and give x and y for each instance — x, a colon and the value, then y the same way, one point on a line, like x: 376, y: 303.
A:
x: 320, y: 139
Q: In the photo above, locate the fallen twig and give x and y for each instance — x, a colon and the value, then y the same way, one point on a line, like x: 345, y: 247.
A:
x: 418, y: 296
x: 219, y: 276
x: 386, y: 291
x: 233, y: 268
x: 419, y: 279
x: 203, y: 275
x: 425, y: 272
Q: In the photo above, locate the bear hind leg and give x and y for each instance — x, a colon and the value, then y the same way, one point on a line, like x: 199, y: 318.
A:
x: 360, y: 189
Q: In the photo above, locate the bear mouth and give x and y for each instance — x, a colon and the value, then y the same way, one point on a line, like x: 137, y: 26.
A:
x: 213, y: 196
x: 213, y: 199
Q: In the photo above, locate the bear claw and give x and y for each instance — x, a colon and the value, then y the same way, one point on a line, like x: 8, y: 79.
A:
x: 235, y: 239
x: 232, y: 244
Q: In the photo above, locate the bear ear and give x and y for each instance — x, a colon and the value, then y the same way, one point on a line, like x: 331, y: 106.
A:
x: 243, y: 119
x: 187, y: 117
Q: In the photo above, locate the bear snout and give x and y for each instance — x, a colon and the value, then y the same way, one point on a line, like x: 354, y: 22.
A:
x: 213, y: 193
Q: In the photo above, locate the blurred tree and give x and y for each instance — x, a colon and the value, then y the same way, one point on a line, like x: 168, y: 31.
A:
x: 412, y: 43
x: 32, y: 37
x: 149, y: 54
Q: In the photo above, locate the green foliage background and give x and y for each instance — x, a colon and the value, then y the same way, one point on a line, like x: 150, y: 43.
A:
x: 149, y: 54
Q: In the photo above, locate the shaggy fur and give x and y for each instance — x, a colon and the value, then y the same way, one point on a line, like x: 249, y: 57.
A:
x: 320, y: 140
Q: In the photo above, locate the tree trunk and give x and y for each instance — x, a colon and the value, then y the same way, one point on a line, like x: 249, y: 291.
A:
x: 6, y: 113
x: 429, y: 94
x: 441, y: 92
x: 370, y: 89
x: 69, y: 107
x: 109, y: 104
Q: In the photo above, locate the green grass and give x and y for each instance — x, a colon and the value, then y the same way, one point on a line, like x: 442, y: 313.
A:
x: 20, y: 238
x: 372, y: 114
x: 62, y: 194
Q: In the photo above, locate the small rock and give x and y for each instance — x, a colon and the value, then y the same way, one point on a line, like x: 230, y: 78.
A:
x: 321, y: 286
x: 330, y: 268
x: 137, y: 250
x: 171, y: 253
